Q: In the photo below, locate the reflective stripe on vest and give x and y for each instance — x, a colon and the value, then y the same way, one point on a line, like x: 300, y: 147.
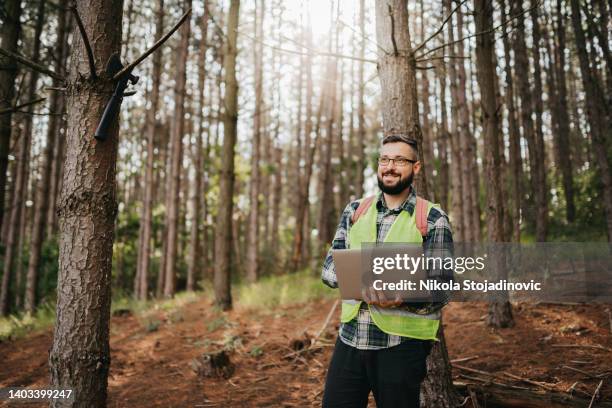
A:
x: 390, y: 320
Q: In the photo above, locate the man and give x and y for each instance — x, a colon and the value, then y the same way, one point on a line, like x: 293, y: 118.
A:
x: 374, y: 352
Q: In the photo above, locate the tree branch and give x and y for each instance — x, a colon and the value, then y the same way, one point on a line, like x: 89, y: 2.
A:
x: 155, y: 46
x: 439, y: 30
x: 313, y: 51
x: 23, y: 105
x: 363, y: 36
x: 477, y: 34
x: 442, y: 57
x: 90, y: 56
x: 32, y: 65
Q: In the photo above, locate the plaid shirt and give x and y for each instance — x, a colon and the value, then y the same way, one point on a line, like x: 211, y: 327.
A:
x: 361, y: 332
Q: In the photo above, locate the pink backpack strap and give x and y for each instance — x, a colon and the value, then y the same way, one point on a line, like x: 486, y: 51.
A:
x: 421, y: 215
x: 363, y: 207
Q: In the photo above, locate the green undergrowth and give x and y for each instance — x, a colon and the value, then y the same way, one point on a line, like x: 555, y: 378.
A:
x: 18, y: 325
x: 268, y: 293
x: 284, y: 290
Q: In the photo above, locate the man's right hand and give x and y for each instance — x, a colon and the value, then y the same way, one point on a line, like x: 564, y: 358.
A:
x: 377, y: 297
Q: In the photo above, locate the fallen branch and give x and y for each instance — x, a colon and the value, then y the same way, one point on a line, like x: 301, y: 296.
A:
x: 595, y: 393
x: 90, y: 56
x: 155, y: 46
x: 496, y: 396
x: 581, y: 372
x: 544, y: 385
x: 461, y: 360
x: 593, y: 346
x: 327, y: 319
x: 30, y: 64
x: 488, y: 381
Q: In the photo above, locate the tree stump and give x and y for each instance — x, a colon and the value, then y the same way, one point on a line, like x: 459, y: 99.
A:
x: 216, y: 364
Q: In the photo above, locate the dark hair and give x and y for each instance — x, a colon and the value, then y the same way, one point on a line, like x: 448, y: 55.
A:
x: 394, y: 138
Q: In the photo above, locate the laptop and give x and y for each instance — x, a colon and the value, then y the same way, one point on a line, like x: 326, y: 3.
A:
x: 354, y: 272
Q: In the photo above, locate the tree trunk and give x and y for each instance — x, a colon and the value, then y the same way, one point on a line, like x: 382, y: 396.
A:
x: 195, y: 253
x: 178, y: 130
x: 397, y: 72
x: 457, y: 211
x: 252, y: 255
x: 597, y: 114
x: 361, y: 133
x: 42, y: 191
x: 151, y: 127
x: 297, y: 256
x: 561, y: 118
x: 443, y: 141
x: 223, y: 230
x: 527, y: 108
x: 80, y: 355
x: 542, y: 190
x: 516, y: 165
x: 13, y: 250
x: 500, y: 314
x: 470, y: 179
x: 9, y: 36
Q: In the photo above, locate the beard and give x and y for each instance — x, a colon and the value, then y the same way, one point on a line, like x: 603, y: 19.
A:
x: 397, y: 188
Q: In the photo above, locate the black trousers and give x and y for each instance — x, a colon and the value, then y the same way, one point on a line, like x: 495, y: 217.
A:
x: 394, y: 375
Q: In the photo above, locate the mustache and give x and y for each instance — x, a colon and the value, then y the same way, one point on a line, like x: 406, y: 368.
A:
x: 390, y: 173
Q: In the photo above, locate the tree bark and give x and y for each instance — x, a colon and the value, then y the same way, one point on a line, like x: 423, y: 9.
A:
x: 561, y: 117
x: 252, y: 255
x: 470, y: 178
x: 9, y: 36
x: 542, y: 190
x: 397, y: 72
x: 500, y: 314
x: 145, y: 232
x: 195, y: 253
x: 457, y: 211
x: 13, y: 250
x: 361, y: 132
x: 223, y: 230
x: 176, y: 141
x: 529, y: 130
x: 516, y: 162
x: 80, y: 355
x: 597, y: 114
x: 299, y: 235
x: 42, y: 191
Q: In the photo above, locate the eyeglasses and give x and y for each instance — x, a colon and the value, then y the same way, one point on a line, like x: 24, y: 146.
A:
x: 398, y: 161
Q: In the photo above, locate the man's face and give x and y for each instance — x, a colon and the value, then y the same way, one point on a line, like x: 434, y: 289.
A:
x: 393, y: 178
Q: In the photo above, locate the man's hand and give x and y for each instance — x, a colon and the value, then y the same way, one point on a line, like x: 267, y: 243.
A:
x: 377, y: 297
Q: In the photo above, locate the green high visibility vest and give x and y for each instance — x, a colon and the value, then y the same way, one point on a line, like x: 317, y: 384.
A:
x: 391, y: 320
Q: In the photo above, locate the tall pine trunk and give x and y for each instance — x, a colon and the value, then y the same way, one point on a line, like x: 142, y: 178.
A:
x: 142, y: 274
x: 397, y: 73
x: 176, y: 161
x: 13, y: 249
x: 80, y: 355
x: 42, y: 190
x: 516, y: 162
x: 9, y: 36
x: 596, y: 112
x: 252, y: 255
x: 500, y: 313
x: 223, y: 229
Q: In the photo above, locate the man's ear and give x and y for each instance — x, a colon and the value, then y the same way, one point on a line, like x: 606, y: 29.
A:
x: 416, y: 167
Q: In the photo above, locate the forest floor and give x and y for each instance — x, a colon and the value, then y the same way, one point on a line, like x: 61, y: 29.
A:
x: 152, y: 354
